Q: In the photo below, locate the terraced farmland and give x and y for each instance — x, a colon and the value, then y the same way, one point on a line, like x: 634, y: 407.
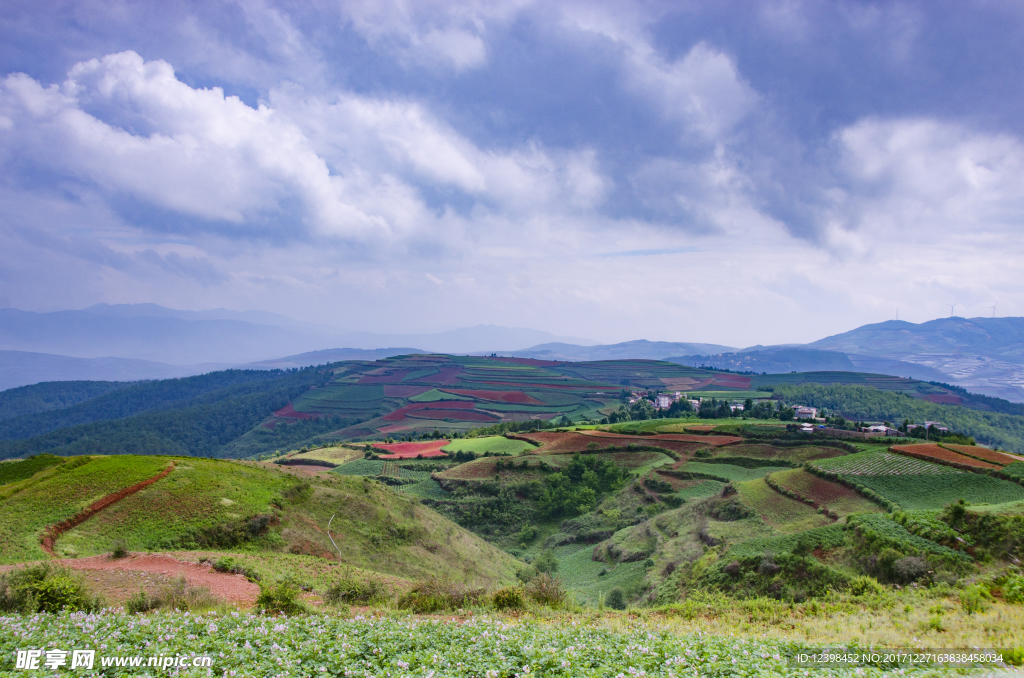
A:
x: 831, y: 495
x: 882, y: 464
x: 941, y: 454
x: 933, y: 491
x: 782, y: 513
x: 729, y: 472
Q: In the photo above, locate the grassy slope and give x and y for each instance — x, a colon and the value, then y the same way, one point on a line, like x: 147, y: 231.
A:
x: 376, y: 528
x: 492, y: 444
x: 28, y: 507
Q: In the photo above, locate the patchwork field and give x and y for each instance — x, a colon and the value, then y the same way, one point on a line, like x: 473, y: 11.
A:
x: 940, y: 454
x: 785, y: 515
x: 883, y: 463
x: 933, y: 491
x: 413, y: 450
x: 985, y: 454
x: 728, y: 472
x: 831, y: 495
x: 489, y: 444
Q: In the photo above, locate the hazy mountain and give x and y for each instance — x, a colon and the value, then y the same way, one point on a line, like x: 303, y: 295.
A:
x: 477, y: 339
x: 983, y: 355
x: 330, y: 355
x: 21, y: 368
x: 639, y: 349
x: 773, y: 360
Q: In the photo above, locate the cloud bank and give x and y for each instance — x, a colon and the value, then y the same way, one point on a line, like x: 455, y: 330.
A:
x: 610, y: 171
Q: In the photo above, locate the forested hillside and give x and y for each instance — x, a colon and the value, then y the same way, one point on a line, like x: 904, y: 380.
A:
x: 185, y: 417
x: 52, y: 395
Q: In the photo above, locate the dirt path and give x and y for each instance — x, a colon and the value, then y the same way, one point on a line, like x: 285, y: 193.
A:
x: 51, y: 533
x: 161, y: 568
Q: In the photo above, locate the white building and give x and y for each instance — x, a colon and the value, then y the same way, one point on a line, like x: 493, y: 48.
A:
x: 804, y: 412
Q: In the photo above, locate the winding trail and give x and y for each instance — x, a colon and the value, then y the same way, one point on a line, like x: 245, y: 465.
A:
x: 53, y: 532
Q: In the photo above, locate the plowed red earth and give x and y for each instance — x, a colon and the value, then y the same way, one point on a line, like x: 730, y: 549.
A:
x: 497, y: 396
x: 288, y: 412
x: 569, y: 387
x: 555, y: 442
x: 932, y: 451
x: 733, y: 381
x: 233, y: 588
x: 446, y: 375
x: 402, y: 412
x: 412, y: 450
x: 821, y: 490
x: 986, y: 454
x: 385, y: 377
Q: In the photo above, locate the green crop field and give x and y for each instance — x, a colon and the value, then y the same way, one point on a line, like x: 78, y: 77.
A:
x: 13, y: 471
x: 784, y: 514
x: 25, y: 513
x: 883, y: 463
x: 935, y: 491
x: 729, y: 471
x: 701, y: 489
x: 492, y: 444
x: 360, y: 467
x: 828, y: 536
x: 434, y: 395
x: 884, y: 529
x: 794, y: 455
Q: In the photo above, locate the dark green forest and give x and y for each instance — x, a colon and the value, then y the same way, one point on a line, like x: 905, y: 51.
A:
x: 133, y: 399
x: 178, y: 418
x: 52, y: 395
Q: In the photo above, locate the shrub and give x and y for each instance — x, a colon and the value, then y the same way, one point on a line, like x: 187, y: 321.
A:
x: 616, y: 599
x: 544, y: 590
x: 546, y: 562
x: 140, y: 602
x: 282, y: 598
x: 349, y: 590
x: 974, y: 598
x: 230, y: 565
x: 509, y: 598
x: 436, y: 595
x: 909, y: 569
x: 1013, y: 590
x: 44, y: 588
x: 864, y: 586
x: 119, y: 550
x: 703, y: 453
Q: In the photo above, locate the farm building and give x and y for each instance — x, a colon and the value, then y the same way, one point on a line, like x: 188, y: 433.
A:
x: 804, y: 412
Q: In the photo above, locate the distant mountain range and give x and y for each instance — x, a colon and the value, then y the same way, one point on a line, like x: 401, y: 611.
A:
x: 145, y: 341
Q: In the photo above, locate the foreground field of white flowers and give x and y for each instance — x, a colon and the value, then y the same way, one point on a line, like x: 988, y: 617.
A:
x: 319, y: 645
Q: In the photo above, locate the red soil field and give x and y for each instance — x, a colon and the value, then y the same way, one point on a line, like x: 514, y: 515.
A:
x: 497, y: 396
x: 555, y: 442
x: 447, y: 375
x: 933, y: 451
x: 404, y: 390
x: 412, y: 450
x: 984, y: 453
x: 288, y: 412
x: 823, y: 491
x: 402, y: 412
x: 457, y: 415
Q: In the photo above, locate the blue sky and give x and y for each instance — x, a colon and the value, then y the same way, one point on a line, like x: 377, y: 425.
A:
x: 730, y: 172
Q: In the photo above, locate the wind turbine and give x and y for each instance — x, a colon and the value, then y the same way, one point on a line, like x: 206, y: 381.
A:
x: 951, y: 307
x: 993, y: 307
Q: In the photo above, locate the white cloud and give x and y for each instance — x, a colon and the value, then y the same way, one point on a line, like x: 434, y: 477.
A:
x: 352, y: 169
x: 430, y: 32
x: 911, y: 181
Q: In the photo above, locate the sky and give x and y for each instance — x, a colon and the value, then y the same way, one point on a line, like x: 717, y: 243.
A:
x: 727, y: 172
